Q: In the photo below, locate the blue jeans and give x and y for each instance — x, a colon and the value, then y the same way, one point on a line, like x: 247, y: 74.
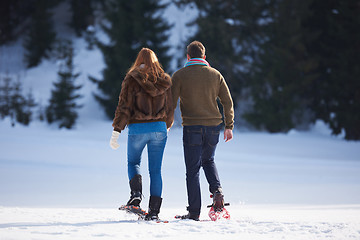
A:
x: 155, y: 142
x: 199, y: 149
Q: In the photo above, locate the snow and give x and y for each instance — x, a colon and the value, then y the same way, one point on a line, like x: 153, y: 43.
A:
x: 68, y: 184
x: 248, y: 223
x: 60, y: 184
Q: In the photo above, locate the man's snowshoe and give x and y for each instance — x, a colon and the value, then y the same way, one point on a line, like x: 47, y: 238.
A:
x: 217, y: 209
x: 191, y: 216
x: 218, y: 200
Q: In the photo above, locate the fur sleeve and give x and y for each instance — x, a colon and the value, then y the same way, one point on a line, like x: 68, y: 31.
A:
x: 124, y: 108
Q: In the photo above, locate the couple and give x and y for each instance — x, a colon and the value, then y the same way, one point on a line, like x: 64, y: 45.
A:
x: 146, y: 105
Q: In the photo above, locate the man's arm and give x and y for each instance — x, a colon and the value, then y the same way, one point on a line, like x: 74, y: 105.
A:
x: 175, y: 90
x: 226, y: 101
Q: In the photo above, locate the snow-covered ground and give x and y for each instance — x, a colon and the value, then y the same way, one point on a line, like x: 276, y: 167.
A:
x: 61, y: 184
x: 44, y: 166
x: 247, y: 223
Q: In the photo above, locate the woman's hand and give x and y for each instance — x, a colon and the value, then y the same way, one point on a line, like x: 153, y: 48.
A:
x: 113, y: 140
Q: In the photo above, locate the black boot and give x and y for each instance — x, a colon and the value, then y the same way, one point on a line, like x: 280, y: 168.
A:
x: 218, y: 200
x: 136, y: 191
x: 154, y: 208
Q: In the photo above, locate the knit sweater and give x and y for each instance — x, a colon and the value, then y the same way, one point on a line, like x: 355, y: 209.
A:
x: 198, y: 88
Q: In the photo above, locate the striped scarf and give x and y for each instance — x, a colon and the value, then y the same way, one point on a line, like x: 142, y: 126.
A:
x: 197, y: 61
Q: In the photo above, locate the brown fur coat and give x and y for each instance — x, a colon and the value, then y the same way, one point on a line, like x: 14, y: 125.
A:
x: 144, y: 100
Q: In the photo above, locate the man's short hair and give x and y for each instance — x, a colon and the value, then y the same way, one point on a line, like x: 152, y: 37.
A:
x: 196, y: 50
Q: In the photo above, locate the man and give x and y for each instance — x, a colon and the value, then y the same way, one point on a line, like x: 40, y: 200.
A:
x: 198, y: 85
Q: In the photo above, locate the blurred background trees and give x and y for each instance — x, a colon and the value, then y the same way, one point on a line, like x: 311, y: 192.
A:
x: 287, y: 63
x: 292, y: 61
x: 130, y: 26
x: 62, y: 104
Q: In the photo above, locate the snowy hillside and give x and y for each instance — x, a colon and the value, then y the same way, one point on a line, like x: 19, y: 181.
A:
x: 61, y: 184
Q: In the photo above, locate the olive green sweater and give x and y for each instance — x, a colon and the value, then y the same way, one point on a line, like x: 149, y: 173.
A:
x: 198, y: 88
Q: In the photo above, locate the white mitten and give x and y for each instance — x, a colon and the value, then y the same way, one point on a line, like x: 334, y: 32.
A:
x: 113, y: 140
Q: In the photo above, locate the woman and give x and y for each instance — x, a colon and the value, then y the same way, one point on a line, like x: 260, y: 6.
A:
x: 145, y: 106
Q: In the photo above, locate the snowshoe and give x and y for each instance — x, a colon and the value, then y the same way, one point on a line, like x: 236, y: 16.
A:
x: 217, y: 209
x: 191, y: 216
x: 134, y: 210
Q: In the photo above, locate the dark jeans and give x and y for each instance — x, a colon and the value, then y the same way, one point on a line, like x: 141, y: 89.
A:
x: 199, y: 149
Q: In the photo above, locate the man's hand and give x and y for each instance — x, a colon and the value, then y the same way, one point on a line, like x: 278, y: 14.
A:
x: 228, y: 135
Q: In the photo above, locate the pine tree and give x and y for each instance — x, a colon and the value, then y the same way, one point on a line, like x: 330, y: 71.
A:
x: 13, y: 103
x: 6, y: 90
x: 41, y: 111
x: 130, y: 25
x: 18, y: 103
x: 282, y: 71
x: 231, y: 32
x: 336, y: 92
x: 300, y: 59
x: 82, y: 15
x: 8, y: 20
x: 30, y: 103
x: 13, y: 18
x: 41, y: 35
x: 215, y: 29
x: 62, y: 105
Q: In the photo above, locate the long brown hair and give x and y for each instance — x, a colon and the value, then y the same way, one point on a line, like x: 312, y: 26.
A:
x: 152, y: 67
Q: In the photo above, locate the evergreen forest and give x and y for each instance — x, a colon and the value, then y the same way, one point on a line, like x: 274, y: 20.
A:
x: 287, y: 63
